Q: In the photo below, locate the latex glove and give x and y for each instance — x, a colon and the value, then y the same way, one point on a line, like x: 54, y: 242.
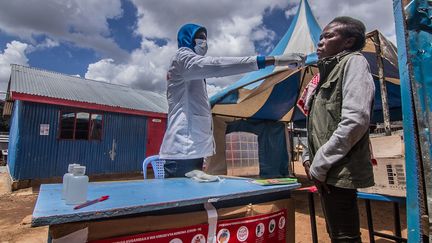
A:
x: 292, y: 60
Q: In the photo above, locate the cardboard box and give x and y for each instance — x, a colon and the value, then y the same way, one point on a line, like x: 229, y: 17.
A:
x: 389, y: 172
x: 388, y: 146
x: 192, y: 224
x: 390, y: 179
x: 261, y: 228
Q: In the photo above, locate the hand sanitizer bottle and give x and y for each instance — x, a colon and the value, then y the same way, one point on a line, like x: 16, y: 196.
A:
x: 77, y: 186
x: 66, y: 178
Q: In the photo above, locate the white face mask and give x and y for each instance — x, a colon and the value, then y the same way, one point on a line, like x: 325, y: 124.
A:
x: 200, y: 47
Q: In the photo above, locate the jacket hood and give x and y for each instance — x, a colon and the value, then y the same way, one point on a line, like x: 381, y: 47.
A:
x: 186, y: 35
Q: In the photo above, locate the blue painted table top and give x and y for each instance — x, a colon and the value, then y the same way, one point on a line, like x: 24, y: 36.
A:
x: 379, y: 197
x: 134, y: 197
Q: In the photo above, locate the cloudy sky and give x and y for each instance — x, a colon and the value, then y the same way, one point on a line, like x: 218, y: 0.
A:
x: 131, y: 42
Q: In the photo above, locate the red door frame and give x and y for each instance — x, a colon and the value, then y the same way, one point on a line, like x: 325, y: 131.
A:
x: 155, y: 132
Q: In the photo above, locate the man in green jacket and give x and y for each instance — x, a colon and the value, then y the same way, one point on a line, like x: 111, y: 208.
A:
x: 338, y: 127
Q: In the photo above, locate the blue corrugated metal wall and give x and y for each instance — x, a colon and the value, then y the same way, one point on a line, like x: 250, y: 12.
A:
x: 37, y: 156
x: 13, y: 136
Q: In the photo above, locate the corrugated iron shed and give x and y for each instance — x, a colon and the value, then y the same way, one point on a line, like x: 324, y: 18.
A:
x: 132, y: 124
x: 55, y: 88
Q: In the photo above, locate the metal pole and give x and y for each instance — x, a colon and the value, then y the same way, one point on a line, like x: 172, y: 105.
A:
x: 289, y: 142
x: 312, y: 217
x: 291, y: 147
x: 396, y: 217
x: 369, y: 221
x: 414, y: 57
x: 383, y: 87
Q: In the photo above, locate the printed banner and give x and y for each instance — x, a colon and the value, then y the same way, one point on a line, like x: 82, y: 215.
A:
x: 257, y: 229
x: 262, y: 228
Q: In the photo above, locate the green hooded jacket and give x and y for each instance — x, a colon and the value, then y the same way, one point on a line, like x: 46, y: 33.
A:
x: 345, y: 160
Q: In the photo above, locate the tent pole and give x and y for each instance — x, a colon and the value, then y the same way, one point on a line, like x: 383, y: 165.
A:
x: 303, y: 75
x: 289, y: 129
x: 383, y: 87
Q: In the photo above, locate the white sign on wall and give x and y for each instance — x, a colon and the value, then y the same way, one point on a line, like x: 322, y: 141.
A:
x: 44, y: 130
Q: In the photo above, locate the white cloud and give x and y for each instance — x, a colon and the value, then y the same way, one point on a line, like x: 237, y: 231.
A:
x: 15, y: 53
x: 80, y: 22
x: 212, y: 89
x: 374, y: 14
x: 145, y: 69
x: 46, y: 44
x: 103, y: 70
x: 291, y: 11
x: 160, y: 19
x: 232, y: 27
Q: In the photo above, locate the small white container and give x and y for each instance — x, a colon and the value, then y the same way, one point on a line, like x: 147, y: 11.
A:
x: 77, y: 186
x: 66, y: 178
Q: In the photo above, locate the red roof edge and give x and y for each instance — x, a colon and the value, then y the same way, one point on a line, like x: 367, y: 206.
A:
x: 84, y: 105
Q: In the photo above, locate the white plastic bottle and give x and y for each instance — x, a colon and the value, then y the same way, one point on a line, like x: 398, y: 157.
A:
x: 66, y: 178
x: 77, y: 186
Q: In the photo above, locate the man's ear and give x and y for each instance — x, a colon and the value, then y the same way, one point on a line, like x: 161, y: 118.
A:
x: 349, y: 43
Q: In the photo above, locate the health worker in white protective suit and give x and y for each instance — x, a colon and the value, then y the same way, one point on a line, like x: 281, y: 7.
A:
x: 189, y: 138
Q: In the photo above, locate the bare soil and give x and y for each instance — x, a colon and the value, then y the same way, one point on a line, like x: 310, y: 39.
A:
x: 382, y: 213
x: 16, y: 209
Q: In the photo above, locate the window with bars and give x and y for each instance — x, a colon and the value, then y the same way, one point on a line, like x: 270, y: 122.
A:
x: 242, y: 154
x: 80, y: 125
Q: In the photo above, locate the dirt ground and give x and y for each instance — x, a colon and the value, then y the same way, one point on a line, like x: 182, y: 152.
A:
x: 16, y: 209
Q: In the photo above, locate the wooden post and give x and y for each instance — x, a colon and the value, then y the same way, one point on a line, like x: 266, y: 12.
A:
x: 383, y: 87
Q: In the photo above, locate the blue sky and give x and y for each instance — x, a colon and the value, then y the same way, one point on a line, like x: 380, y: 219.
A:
x: 130, y: 42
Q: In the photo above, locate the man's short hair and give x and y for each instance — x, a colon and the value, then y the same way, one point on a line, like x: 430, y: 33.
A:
x: 352, y: 28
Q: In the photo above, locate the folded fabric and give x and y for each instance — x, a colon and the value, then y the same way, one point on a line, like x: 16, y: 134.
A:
x: 303, y: 102
x: 291, y: 60
x: 201, y: 176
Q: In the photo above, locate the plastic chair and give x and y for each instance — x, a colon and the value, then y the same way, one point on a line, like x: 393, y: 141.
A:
x: 157, y: 164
